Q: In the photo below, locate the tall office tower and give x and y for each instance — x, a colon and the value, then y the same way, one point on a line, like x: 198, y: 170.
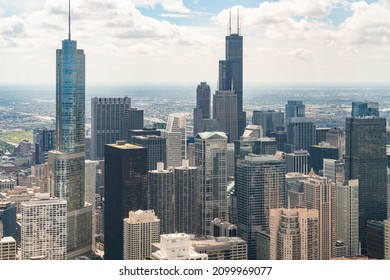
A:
x: 281, y: 139
x: 202, y: 110
x: 320, y: 152
x: 140, y: 229
x: 293, y: 109
x: 176, y: 246
x: 334, y: 170
x: 301, y: 133
x: 157, y: 149
x: 298, y: 161
x: 186, y: 183
x: 91, y: 189
x: 376, y: 239
x: 260, y: 186
x: 320, y: 194
x: 347, y: 225
x: 321, y: 134
x: 210, y: 157
x: 161, y: 197
x: 8, y: 248
x: 125, y: 190
x: 223, y: 228
x: 133, y: 119
x: 107, y: 117
x: 252, y: 131
x: 366, y: 160
x: 44, y: 229
x: 270, y: 120
x: 8, y: 219
x: 66, y: 162
x: 175, y: 133
x: 294, y: 234
x: 225, y: 112
x: 44, y: 140
x: 336, y: 137
x: 231, y: 71
x: 364, y: 109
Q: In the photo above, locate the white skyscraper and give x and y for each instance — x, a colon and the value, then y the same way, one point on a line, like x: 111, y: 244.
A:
x: 140, y: 230
x: 44, y: 229
x: 175, y: 133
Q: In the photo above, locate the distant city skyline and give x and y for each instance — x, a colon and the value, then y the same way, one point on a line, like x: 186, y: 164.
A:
x: 181, y: 41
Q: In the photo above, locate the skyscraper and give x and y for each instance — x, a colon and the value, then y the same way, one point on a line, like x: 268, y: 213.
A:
x: 140, y: 229
x: 44, y: 140
x: 161, y: 197
x: 8, y: 219
x: 225, y: 112
x: 294, y: 234
x: 269, y: 120
x: 231, y: 71
x: 125, y: 190
x: 301, y: 133
x: 260, y: 186
x: 44, y: 234
x: 175, y: 134
x: 210, y: 157
x: 293, y: 108
x: 366, y: 160
x: 202, y: 110
x: 107, y: 117
x: 66, y: 162
x: 157, y: 149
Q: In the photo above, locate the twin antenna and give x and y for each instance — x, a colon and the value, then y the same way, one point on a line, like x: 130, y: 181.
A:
x: 230, y: 22
x: 69, y: 37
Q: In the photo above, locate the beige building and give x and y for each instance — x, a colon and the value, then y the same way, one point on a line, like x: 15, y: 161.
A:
x: 176, y: 246
x: 140, y: 230
x: 221, y: 248
x: 294, y: 234
x: 8, y: 248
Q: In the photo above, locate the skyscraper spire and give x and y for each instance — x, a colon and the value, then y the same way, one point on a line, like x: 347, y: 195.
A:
x: 69, y: 37
x: 230, y: 21
x: 238, y: 21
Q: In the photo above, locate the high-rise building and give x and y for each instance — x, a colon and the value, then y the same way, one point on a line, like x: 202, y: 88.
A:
x: 210, y: 157
x: 44, y: 140
x: 133, y: 119
x: 333, y: 170
x: 202, y: 110
x: 364, y: 109
x: 8, y: 219
x: 293, y: 109
x: 298, y: 161
x: 107, y: 117
x: 125, y: 190
x: 231, y: 71
x: 91, y: 189
x: 320, y: 194
x: 221, y: 248
x: 347, y: 223
x: 8, y: 248
x: 140, y: 229
x: 44, y: 229
x: 294, y: 234
x: 161, y: 197
x: 366, y: 160
x: 301, y: 133
x: 157, y: 149
x: 225, y: 112
x: 175, y: 134
x: 321, y: 134
x: 269, y: 120
x: 260, y: 186
x: 66, y: 162
x: 320, y: 152
x: 186, y: 183
x: 336, y: 137
x: 376, y: 239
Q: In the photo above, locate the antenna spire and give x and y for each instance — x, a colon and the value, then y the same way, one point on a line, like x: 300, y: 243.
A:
x: 230, y: 21
x: 238, y: 21
x: 69, y: 37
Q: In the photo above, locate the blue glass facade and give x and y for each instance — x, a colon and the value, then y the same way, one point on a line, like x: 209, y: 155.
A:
x: 8, y: 219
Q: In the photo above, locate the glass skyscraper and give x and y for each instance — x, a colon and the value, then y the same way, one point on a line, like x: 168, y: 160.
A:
x: 66, y: 162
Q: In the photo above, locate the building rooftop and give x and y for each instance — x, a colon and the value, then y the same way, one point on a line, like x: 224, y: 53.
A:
x: 124, y: 145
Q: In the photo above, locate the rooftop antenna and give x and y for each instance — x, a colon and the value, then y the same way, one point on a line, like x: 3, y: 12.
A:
x: 69, y: 37
x: 230, y: 21
x: 238, y: 21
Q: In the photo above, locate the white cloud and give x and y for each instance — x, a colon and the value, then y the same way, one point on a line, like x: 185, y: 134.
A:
x: 168, y: 5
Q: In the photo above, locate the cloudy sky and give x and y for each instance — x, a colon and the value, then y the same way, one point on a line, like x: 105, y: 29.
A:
x: 181, y: 41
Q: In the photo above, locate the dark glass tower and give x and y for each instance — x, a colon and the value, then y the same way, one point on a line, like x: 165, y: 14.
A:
x: 231, y: 71
x: 365, y: 159
x: 125, y: 190
x: 202, y: 110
